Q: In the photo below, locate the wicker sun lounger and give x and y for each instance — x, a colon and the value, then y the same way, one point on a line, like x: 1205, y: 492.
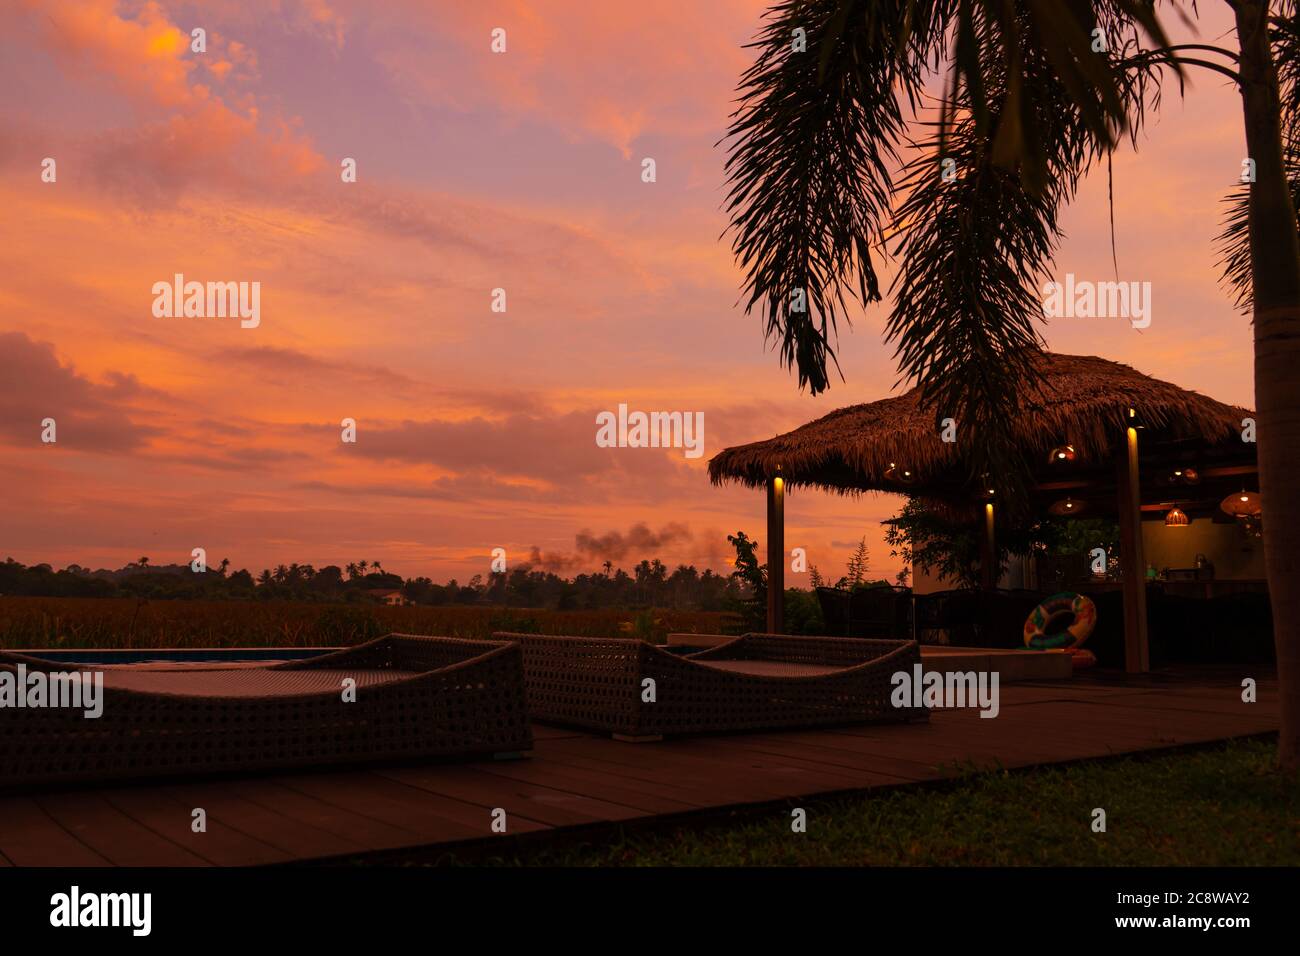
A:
x: 415, y: 697
x: 759, y: 681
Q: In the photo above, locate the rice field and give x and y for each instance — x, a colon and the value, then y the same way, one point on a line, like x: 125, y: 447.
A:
x: 31, y: 622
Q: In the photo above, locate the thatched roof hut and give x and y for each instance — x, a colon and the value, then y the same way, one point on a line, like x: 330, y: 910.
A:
x: 1098, y: 434
x: 1085, y: 403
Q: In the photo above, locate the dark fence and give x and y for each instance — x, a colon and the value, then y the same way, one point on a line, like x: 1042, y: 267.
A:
x: 975, y: 618
x: 880, y: 611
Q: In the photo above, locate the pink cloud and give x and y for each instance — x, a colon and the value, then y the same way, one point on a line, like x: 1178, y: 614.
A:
x: 610, y: 71
x: 186, y: 132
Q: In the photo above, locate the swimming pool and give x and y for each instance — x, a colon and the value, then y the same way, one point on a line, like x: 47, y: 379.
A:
x: 190, y: 655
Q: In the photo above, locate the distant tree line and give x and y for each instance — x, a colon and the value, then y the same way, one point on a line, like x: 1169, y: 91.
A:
x: 648, y: 584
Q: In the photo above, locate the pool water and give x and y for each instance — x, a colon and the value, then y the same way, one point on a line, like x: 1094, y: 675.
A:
x: 197, y: 655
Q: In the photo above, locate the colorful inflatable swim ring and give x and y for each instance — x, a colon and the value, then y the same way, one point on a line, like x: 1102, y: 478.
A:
x: 1043, y: 631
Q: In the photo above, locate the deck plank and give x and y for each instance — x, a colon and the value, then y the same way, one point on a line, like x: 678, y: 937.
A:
x: 802, y: 773
x: 602, y: 786
x: 112, y: 834
x: 902, y: 766
x: 620, y: 777
x: 664, y: 761
x: 221, y: 845
x: 31, y: 837
x: 1264, y: 709
x: 550, y: 806
x: 383, y: 799
x: 293, y: 836
x: 681, y: 786
x: 356, y: 827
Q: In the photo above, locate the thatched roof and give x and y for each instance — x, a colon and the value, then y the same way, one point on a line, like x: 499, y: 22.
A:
x: 1085, y: 404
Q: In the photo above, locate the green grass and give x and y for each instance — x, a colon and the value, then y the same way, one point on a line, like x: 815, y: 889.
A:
x: 1222, y: 806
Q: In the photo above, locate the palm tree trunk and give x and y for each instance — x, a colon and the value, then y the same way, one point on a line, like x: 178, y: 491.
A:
x: 1275, y: 268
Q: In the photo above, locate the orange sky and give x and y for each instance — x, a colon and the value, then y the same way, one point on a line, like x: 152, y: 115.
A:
x: 475, y: 171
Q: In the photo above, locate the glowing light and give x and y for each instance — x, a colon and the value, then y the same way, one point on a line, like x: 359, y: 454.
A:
x: 1243, y: 504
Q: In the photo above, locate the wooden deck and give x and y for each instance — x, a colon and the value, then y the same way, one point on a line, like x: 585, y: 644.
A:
x: 575, y: 778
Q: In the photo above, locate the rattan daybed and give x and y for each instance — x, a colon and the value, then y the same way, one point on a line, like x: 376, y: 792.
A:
x: 759, y: 681
x: 415, y: 697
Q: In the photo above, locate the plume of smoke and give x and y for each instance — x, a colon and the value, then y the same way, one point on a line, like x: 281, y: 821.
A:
x: 554, y: 561
x: 615, y: 545
x: 594, y: 549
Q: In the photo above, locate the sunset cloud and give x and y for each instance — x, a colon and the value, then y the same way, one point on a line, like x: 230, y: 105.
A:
x: 608, y: 71
x: 184, y: 131
x: 89, y: 416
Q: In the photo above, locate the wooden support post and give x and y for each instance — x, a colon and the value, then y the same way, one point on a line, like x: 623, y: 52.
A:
x: 1137, y: 658
x: 988, y: 552
x: 776, y: 556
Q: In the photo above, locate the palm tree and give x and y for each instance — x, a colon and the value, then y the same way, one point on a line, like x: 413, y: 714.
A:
x: 1036, y: 94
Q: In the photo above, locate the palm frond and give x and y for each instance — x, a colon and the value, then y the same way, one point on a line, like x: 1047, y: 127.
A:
x: 812, y: 149
x: 813, y: 144
x: 1062, y: 34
